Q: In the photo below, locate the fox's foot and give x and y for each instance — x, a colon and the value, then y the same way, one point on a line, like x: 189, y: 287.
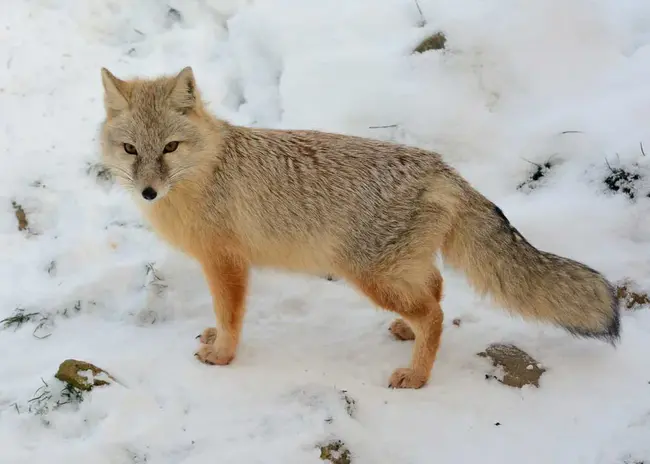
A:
x: 208, y: 336
x: 401, y: 330
x: 215, y: 355
x: 213, y: 352
x: 407, y: 378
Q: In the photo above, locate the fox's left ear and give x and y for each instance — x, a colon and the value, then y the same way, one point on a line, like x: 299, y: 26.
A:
x: 184, y: 95
x: 115, y: 93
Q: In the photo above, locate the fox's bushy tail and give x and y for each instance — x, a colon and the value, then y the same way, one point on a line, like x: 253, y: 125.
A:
x: 499, y: 261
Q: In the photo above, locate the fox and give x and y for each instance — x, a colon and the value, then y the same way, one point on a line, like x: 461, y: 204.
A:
x: 373, y: 213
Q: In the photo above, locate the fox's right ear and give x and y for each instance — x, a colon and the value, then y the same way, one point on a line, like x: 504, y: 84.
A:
x: 114, y: 93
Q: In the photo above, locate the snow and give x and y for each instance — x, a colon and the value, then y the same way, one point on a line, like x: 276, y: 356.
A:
x: 516, y: 76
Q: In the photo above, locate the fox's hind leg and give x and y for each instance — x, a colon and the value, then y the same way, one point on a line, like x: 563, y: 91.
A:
x: 417, y: 302
x: 227, y: 278
x: 400, y: 329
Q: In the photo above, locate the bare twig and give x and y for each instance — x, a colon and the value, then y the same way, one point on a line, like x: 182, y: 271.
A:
x: 382, y: 127
x: 532, y: 162
x: 423, y: 21
x: 41, y: 324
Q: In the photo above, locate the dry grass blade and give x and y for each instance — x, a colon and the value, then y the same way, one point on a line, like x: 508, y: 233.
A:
x: 18, y: 319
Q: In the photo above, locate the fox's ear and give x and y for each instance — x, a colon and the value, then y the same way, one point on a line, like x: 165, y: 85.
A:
x: 184, y: 95
x: 114, y: 93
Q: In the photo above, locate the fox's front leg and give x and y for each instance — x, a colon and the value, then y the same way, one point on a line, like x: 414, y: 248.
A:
x: 227, y: 278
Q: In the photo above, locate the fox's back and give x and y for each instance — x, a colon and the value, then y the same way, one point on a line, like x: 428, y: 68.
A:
x: 293, y: 191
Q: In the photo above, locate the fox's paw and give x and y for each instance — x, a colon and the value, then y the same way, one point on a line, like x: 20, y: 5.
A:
x: 211, y: 354
x: 401, y: 330
x: 407, y: 378
x: 208, y: 336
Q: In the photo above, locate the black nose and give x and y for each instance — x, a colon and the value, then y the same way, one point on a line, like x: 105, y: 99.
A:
x: 149, y: 194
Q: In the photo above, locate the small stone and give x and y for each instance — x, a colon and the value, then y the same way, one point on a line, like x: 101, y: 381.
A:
x: 82, y: 375
x: 335, y: 452
x: 519, y: 368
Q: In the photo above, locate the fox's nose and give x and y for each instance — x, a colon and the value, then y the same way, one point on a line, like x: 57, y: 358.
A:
x: 149, y: 194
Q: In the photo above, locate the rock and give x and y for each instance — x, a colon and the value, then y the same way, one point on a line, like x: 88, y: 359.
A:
x: 335, y: 452
x: 519, y: 368
x: 436, y: 41
x: 82, y: 375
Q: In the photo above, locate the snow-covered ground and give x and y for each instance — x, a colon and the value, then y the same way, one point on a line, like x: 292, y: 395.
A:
x: 520, y: 83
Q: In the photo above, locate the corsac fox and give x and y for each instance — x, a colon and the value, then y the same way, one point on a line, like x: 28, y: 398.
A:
x: 373, y: 213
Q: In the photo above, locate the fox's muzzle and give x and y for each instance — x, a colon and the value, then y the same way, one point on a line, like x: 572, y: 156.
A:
x: 150, y: 175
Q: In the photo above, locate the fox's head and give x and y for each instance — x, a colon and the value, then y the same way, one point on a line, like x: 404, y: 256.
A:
x: 154, y: 134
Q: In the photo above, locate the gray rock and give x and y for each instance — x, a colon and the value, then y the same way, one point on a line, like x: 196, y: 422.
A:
x: 519, y: 368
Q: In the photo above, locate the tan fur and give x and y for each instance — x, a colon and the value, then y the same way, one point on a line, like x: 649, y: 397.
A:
x: 371, y: 212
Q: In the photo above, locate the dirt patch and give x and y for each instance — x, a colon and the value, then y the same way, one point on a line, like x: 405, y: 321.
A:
x: 630, y: 298
x: 622, y: 181
x: 21, y: 216
x: 335, y: 452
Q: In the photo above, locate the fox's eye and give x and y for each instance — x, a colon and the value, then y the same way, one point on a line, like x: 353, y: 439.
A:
x: 170, y: 147
x: 130, y: 149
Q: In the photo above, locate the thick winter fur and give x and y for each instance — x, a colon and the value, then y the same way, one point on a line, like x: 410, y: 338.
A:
x: 371, y: 212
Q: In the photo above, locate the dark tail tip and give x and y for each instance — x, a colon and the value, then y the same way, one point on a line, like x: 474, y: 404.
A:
x: 612, y: 332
